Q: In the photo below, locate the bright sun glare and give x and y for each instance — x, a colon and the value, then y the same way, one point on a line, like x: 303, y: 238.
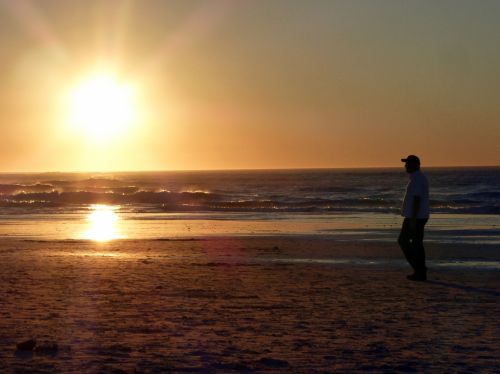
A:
x: 102, y: 223
x: 102, y: 106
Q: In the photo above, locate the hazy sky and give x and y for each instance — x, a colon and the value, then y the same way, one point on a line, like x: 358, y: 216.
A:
x: 254, y: 84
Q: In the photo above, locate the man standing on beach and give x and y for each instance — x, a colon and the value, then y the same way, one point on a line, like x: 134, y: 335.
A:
x: 415, y: 211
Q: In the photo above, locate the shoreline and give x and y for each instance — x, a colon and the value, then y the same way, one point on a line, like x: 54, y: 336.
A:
x: 442, y: 228
x: 298, y: 246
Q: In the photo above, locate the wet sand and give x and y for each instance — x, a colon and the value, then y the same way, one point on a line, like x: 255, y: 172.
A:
x: 246, y: 304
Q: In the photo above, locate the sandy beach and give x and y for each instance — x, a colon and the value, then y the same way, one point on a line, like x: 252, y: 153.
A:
x: 246, y: 304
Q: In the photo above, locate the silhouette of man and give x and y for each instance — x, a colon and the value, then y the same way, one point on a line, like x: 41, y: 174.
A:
x: 415, y: 211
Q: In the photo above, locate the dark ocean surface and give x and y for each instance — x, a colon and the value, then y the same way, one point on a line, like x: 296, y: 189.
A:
x: 457, y: 191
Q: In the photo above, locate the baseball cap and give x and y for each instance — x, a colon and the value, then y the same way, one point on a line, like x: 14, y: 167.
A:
x: 412, y: 159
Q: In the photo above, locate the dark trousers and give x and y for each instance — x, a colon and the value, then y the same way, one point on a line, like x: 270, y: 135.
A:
x: 411, y: 242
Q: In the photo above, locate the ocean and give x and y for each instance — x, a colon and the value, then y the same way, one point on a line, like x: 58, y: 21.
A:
x: 364, y: 203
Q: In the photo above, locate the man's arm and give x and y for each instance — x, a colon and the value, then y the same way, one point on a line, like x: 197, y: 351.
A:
x: 414, y: 213
x: 416, y: 207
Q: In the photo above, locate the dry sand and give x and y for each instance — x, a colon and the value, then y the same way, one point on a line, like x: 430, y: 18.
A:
x: 277, y: 304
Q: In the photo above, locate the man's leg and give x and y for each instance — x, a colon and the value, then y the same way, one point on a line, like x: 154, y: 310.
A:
x: 418, y: 248
x: 405, y: 242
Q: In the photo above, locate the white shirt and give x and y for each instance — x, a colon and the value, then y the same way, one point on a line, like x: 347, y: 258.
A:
x: 417, y: 186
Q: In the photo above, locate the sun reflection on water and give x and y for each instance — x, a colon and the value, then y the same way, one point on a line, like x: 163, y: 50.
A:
x: 102, y: 221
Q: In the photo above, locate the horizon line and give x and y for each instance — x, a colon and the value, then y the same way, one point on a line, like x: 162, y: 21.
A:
x: 245, y: 169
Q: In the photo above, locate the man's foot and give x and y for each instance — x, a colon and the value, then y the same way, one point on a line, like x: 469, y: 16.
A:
x: 417, y: 277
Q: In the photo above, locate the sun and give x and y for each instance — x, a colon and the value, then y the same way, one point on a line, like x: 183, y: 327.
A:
x: 102, y: 106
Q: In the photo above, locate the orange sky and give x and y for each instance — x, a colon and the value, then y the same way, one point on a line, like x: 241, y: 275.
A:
x: 253, y: 84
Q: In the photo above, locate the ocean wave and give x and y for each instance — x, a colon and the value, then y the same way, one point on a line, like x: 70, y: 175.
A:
x: 123, y: 196
x: 472, y: 191
x: 493, y: 195
x: 189, y: 201
x: 10, y: 189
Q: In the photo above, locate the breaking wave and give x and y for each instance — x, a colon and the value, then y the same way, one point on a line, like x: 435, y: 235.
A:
x: 259, y: 191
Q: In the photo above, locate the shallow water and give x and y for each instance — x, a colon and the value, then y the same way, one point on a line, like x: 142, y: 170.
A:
x: 466, y: 264
x: 103, y: 223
